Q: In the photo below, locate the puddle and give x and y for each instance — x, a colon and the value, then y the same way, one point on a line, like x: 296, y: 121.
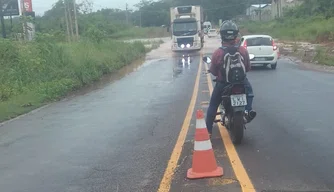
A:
x: 156, y: 54
x: 180, y: 64
x: 163, y: 53
x: 150, y: 57
x: 110, y: 78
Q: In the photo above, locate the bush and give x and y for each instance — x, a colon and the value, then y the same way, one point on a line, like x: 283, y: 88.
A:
x: 41, y: 71
x: 314, y: 29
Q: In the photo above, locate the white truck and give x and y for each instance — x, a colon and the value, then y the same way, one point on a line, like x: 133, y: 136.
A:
x: 187, y: 30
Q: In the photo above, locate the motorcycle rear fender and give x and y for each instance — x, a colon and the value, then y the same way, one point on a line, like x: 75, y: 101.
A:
x: 236, y: 109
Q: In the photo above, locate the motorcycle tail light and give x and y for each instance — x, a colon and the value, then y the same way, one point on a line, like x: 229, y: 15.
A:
x: 237, y: 90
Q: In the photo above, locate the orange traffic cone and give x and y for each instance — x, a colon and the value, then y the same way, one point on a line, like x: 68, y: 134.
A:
x: 204, y: 163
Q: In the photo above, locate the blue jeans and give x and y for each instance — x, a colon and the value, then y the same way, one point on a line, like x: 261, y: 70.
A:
x: 216, y: 99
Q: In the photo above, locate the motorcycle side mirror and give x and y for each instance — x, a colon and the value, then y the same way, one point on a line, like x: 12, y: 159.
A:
x: 207, y: 59
x: 251, y: 56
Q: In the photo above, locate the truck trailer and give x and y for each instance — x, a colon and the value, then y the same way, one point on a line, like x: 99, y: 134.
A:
x: 187, y: 30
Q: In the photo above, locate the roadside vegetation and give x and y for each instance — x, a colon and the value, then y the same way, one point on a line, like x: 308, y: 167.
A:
x: 54, y: 64
x: 316, y: 29
x: 311, y: 22
x: 35, y: 73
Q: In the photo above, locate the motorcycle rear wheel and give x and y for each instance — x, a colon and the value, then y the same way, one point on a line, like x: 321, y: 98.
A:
x: 237, y: 128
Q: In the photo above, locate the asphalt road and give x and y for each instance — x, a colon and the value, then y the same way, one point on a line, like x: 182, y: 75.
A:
x: 136, y: 134
x: 290, y: 145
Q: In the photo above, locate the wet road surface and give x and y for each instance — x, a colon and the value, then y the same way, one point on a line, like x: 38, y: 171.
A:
x: 117, y: 138
x: 127, y: 135
x: 290, y: 145
x: 287, y: 147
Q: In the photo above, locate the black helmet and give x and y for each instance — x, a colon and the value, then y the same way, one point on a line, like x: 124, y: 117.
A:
x: 229, y: 30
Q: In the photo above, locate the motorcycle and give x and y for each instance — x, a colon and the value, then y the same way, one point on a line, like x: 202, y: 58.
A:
x: 232, y: 109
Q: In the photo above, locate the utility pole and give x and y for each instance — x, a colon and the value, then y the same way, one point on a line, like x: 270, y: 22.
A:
x: 70, y: 17
x: 140, y: 19
x: 3, y: 27
x: 11, y: 23
x: 280, y: 8
x: 25, y: 26
x: 66, y: 21
x: 277, y: 2
x: 260, y: 10
x: 76, y: 20
x: 126, y: 12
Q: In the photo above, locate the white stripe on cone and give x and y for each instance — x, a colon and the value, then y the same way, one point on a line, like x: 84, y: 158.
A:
x: 200, y: 124
x: 202, y: 145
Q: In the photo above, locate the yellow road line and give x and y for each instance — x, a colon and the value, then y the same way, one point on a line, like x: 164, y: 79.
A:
x: 166, y: 181
x: 239, y: 170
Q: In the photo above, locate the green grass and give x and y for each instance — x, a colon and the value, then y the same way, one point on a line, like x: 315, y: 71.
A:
x: 32, y: 74
x: 137, y: 32
x: 312, y: 29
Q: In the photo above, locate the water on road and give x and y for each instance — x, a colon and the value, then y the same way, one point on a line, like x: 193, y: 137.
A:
x: 134, y: 132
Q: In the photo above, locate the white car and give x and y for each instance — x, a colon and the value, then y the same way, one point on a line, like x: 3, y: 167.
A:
x: 212, y: 33
x: 263, y: 48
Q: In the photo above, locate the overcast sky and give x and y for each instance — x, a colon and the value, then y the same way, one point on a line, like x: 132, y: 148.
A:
x: 40, y: 6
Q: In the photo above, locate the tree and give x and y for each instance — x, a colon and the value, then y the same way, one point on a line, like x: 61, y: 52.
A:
x: 323, y: 8
x: 86, y: 6
x: 157, y: 13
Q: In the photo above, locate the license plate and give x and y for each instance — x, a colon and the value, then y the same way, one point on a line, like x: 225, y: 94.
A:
x: 238, y: 100
x: 259, y: 59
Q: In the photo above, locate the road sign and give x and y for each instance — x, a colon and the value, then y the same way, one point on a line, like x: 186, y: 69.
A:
x: 10, y: 8
x: 28, y: 5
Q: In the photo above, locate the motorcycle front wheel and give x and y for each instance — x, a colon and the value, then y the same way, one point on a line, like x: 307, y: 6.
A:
x: 237, y: 128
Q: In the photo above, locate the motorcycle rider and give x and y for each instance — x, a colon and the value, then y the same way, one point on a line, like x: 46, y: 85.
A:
x: 228, y: 39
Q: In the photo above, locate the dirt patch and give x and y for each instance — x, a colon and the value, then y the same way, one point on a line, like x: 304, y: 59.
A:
x: 303, y: 50
x: 304, y: 54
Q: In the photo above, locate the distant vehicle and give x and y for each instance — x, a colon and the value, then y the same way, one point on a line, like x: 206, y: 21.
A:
x: 207, y: 26
x: 263, y: 48
x: 187, y: 33
x: 212, y: 33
